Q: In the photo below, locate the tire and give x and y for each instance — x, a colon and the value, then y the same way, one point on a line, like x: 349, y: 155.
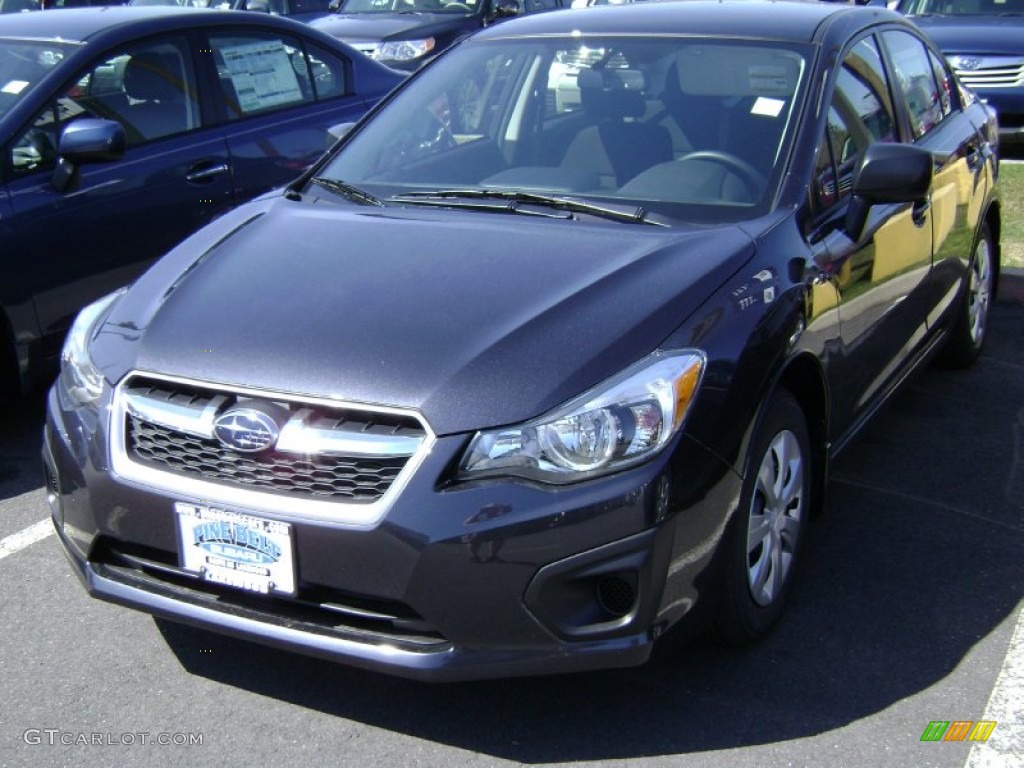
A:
x: 10, y: 386
x: 971, y: 321
x: 764, y: 538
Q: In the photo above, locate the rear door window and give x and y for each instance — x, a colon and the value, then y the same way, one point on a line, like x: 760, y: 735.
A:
x: 262, y: 72
x: 915, y: 79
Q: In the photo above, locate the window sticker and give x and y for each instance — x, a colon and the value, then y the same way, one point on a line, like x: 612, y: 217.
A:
x: 767, y: 107
x: 15, y: 86
x: 262, y: 74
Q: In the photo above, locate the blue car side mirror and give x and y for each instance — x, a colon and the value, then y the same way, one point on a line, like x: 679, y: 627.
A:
x: 86, y: 141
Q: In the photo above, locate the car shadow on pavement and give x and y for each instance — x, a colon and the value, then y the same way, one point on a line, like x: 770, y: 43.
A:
x: 21, y: 438
x: 916, y: 561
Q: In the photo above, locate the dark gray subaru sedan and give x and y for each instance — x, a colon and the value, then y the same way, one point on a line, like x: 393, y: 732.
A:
x: 549, y: 356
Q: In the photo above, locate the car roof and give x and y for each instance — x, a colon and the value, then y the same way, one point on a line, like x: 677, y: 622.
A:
x: 82, y: 24
x: 793, y: 20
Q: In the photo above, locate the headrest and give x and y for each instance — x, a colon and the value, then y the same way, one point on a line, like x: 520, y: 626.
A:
x: 612, y: 93
x: 147, y: 76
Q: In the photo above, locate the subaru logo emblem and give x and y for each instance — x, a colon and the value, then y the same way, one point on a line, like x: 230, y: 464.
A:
x: 246, y: 430
x: 969, y: 62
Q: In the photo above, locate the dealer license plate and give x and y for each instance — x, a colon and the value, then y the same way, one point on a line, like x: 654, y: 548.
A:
x: 238, y: 550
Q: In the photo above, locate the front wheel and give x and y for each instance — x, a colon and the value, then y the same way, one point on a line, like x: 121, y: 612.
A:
x: 971, y: 322
x: 763, y: 540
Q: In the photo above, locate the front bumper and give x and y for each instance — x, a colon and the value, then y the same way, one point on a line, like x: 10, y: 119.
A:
x: 475, y: 581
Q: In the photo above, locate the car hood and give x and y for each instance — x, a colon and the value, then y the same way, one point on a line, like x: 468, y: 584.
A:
x: 385, y: 26
x: 992, y: 35
x: 473, y: 319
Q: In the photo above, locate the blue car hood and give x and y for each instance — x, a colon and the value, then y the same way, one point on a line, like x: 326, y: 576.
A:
x: 984, y: 35
x: 474, y: 319
x: 384, y: 26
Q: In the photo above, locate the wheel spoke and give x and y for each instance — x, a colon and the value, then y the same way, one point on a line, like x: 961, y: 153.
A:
x: 757, y: 531
x: 760, y: 572
x: 793, y: 475
x: 789, y: 532
x: 766, y: 483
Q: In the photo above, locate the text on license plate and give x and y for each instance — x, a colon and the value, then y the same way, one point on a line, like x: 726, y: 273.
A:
x: 238, y: 550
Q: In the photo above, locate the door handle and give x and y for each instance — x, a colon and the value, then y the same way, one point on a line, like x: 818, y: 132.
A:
x: 201, y: 173
x: 919, y: 213
x: 974, y: 156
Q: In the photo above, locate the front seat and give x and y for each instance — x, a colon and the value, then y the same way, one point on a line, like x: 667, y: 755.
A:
x: 157, y: 102
x: 617, y: 146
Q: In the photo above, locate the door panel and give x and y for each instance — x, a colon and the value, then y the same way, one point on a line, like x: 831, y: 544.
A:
x: 75, y: 246
x: 882, y: 278
x: 272, y: 150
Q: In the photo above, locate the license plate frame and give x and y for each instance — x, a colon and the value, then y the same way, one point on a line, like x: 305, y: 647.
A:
x: 236, y: 549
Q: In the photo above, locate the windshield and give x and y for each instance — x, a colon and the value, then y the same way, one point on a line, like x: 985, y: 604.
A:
x: 689, y: 129
x: 963, y: 7
x: 23, y: 64
x: 409, y: 6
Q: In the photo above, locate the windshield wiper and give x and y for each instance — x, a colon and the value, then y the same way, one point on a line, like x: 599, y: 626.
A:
x: 349, y: 192
x: 514, y: 199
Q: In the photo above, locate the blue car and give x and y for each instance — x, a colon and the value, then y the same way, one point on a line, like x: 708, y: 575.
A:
x: 984, y: 41
x: 126, y: 129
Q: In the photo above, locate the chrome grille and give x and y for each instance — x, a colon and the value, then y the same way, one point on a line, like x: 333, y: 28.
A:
x: 325, y: 452
x: 329, y: 477
x: 991, y: 72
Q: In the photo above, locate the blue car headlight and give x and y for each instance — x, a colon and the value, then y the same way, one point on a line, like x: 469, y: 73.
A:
x: 404, y: 50
x: 623, y: 421
x: 80, y: 380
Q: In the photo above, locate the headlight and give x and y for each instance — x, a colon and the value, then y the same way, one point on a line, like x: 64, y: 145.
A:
x: 81, y: 381
x: 619, y: 423
x: 404, y: 50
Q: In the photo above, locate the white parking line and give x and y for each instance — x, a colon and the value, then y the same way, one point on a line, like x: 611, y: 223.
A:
x: 25, y: 537
x: 1005, y: 747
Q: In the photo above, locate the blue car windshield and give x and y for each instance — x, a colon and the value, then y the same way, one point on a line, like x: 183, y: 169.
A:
x: 23, y: 64
x: 691, y: 129
x: 963, y: 7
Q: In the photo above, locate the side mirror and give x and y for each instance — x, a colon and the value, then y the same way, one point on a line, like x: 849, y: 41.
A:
x: 888, y: 173
x: 337, y: 132
x: 86, y: 141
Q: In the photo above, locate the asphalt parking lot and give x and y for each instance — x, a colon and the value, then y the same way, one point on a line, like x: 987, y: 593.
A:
x: 904, y: 614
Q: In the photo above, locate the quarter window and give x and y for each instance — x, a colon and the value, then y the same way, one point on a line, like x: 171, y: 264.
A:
x: 947, y: 84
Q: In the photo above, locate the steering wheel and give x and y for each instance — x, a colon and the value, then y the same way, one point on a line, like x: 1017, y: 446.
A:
x: 431, y: 136
x: 747, y: 173
x: 439, y: 136
x: 456, y: 6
